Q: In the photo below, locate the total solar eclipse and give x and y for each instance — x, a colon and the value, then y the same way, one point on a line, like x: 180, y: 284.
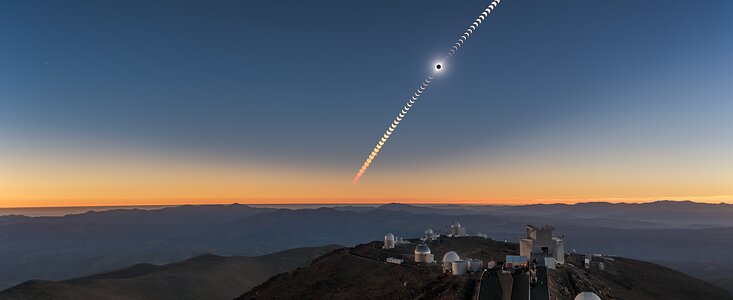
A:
x: 423, y: 86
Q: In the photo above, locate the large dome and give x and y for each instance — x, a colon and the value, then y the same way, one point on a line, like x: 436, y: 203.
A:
x: 587, y: 296
x: 429, y: 231
x: 422, y: 249
x: 456, y: 225
x: 451, y: 256
x: 389, y: 237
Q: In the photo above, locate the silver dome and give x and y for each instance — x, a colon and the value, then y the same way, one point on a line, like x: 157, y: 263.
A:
x: 389, y: 237
x: 456, y: 225
x: 422, y: 249
x: 451, y: 256
x: 587, y: 296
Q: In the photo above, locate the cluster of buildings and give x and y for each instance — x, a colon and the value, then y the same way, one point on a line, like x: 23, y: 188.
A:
x: 451, y: 262
x: 456, y: 230
x: 537, y: 248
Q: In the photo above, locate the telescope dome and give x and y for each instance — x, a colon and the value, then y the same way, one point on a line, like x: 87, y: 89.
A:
x: 422, y: 249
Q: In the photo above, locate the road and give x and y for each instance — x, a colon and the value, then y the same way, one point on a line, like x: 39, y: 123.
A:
x: 490, y: 288
x: 540, y: 290
x: 520, y: 288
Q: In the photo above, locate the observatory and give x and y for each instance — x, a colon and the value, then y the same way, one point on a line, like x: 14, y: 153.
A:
x: 459, y: 267
x: 448, y: 259
x: 540, y: 244
x: 456, y: 230
x: 430, y: 235
x: 422, y: 254
x: 389, y: 241
x: 587, y: 296
x: 474, y: 264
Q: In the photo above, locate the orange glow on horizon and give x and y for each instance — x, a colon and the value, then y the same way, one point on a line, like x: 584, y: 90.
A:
x: 71, y: 177
x: 728, y: 199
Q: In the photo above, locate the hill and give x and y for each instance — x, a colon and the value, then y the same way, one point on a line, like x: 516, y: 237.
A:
x: 624, y: 278
x: 201, y: 277
x: 361, y: 272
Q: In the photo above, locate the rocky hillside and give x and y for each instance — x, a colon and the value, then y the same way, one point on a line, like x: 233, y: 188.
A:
x: 202, y: 277
x: 362, y: 273
x: 624, y: 278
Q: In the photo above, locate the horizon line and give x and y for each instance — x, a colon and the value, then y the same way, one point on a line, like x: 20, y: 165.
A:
x: 365, y: 203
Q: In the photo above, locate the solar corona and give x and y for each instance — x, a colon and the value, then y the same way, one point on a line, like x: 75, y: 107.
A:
x: 439, y: 67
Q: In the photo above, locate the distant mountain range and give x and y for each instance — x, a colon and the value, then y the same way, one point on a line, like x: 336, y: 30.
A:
x: 58, y: 248
x: 202, y: 277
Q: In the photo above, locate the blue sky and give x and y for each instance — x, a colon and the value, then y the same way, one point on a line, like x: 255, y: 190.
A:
x: 316, y: 83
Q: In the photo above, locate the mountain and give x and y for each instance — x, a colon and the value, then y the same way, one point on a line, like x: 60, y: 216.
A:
x: 58, y: 248
x: 201, y: 277
x: 718, y: 272
x: 672, y: 213
x: 361, y: 272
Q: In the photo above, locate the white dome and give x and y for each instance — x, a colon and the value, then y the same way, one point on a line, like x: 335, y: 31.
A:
x: 389, y: 237
x: 456, y: 225
x: 451, y: 256
x: 422, y: 249
x: 587, y: 296
x: 429, y: 231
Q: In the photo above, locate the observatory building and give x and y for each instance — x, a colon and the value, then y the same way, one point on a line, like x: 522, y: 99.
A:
x: 430, y: 235
x: 389, y: 241
x: 540, y: 244
x: 587, y: 296
x: 422, y: 254
x: 456, y: 230
x: 459, y: 267
x: 448, y: 259
x: 474, y: 264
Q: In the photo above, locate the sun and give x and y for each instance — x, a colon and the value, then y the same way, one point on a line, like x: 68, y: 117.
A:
x: 438, y: 67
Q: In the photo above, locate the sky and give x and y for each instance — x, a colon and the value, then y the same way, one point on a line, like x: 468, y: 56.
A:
x: 168, y: 102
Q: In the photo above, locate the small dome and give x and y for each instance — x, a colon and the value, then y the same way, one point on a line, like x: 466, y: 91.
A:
x: 429, y: 231
x: 587, y: 296
x: 451, y: 256
x: 389, y: 237
x: 456, y: 225
x: 422, y: 249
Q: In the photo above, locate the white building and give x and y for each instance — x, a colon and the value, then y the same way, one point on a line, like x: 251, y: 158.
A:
x: 448, y: 259
x: 422, y: 254
x: 458, y: 267
x: 587, y: 296
x: 540, y: 244
x: 394, y: 260
x: 559, y: 250
x: 389, y: 241
x: 525, y: 247
x: 474, y: 264
x: 430, y: 235
x: 457, y: 230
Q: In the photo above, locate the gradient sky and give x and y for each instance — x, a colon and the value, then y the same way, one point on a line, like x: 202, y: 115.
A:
x: 153, y: 102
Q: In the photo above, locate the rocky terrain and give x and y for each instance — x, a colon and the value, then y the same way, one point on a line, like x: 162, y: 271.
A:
x: 624, y: 278
x: 201, y: 277
x: 361, y: 272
